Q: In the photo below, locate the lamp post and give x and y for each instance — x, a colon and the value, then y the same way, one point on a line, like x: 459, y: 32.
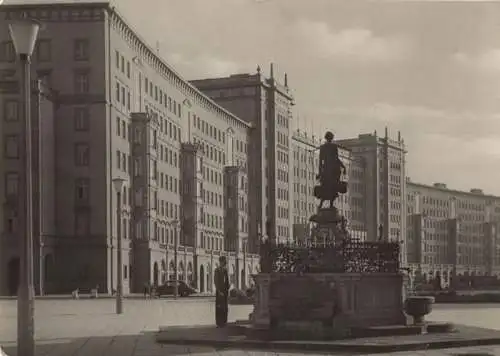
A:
x: 41, y: 274
x: 175, y: 223
x: 118, y: 185
x: 24, y: 34
x: 244, y: 285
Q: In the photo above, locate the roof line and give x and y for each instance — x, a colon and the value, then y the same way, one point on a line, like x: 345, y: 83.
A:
x: 423, y: 185
x: 114, y: 11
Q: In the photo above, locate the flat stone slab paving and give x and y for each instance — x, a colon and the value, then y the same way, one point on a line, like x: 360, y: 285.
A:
x: 233, y: 336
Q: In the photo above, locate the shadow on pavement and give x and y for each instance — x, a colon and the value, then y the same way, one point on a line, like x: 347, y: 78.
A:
x: 143, y: 344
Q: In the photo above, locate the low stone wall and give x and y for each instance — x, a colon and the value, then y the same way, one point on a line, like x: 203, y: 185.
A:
x: 341, y: 300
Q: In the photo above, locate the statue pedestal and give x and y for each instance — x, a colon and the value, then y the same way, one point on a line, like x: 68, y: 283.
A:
x: 332, y: 305
x: 328, y: 229
x: 326, y: 216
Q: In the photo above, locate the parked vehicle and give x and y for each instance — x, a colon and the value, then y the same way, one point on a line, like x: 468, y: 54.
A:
x: 168, y: 289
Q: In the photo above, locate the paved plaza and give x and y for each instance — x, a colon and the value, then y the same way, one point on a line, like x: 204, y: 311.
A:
x: 91, y: 328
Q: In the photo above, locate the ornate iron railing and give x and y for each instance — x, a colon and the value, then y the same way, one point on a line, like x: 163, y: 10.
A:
x: 345, y: 257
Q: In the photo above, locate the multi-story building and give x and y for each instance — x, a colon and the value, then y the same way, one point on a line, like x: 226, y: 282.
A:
x: 266, y: 105
x: 210, y: 166
x: 13, y: 178
x: 124, y: 112
x: 452, y: 233
x: 305, y: 150
x: 381, y: 160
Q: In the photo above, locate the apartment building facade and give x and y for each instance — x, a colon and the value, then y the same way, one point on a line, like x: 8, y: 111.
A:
x: 123, y: 112
x: 266, y: 104
x: 13, y: 179
x: 451, y: 233
x: 381, y: 165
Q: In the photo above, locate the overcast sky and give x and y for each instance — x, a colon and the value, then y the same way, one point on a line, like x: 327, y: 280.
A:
x: 428, y: 69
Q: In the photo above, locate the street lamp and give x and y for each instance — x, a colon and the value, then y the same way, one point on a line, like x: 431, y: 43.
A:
x: 175, y: 223
x: 245, y: 277
x: 24, y: 34
x: 118, y: 185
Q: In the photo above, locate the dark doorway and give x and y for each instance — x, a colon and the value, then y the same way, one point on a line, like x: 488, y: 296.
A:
x: 202, y: 279
x: 155, y: 274
x: 13, y: 270
x: 243, y: 281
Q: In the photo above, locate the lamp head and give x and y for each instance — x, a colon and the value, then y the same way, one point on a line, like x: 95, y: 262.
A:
x: 24, y: 34
x: 118, y: 184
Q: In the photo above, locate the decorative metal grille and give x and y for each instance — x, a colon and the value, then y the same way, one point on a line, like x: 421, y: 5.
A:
x: 346, y: 257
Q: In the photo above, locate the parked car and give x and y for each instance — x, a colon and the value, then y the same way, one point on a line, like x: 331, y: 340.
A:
x: 168, y: 289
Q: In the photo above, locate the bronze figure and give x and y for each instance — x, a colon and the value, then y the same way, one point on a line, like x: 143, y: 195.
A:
x: 330, y: 170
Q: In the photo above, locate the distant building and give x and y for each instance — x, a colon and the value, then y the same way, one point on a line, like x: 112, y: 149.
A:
x: 452, y: 233
x: 379, y: 190
x: 266, y: 104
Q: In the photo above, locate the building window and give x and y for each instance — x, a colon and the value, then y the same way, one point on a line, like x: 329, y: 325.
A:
x: 117, y: 59
x: 11, y: 146
x: 117, y: 92
x: 137, y: 135
x: 118, y: 126
x: 138, y: 230
x: 124, y: 228
x: 128, y: 69
x: 81, y: 50
x: 10, y: 222
x: 118, y: 159
x: 11, y: 184
x: 82, y: 154
x: 81, y: 81
x: 43, y: 51
x: 82, y: 190
x: 11, y: 110
x: 7, y: 52
x: 124, y: 162
x: 137, y: 166
x: 81, y: 117
x: 82, y: 223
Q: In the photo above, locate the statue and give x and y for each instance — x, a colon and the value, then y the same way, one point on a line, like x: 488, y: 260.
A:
x: 330, y: 170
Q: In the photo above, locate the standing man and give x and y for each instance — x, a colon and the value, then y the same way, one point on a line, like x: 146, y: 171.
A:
x: 221, y: 281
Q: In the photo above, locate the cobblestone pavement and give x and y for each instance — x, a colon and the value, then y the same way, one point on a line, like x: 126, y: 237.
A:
x: 91, y: 328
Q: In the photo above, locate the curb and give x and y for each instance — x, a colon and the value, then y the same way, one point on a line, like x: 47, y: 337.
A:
x: 336, y: 347
x: 106, y: 296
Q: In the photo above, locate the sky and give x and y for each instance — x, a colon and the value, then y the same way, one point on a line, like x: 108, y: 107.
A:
x: 428, y: 69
